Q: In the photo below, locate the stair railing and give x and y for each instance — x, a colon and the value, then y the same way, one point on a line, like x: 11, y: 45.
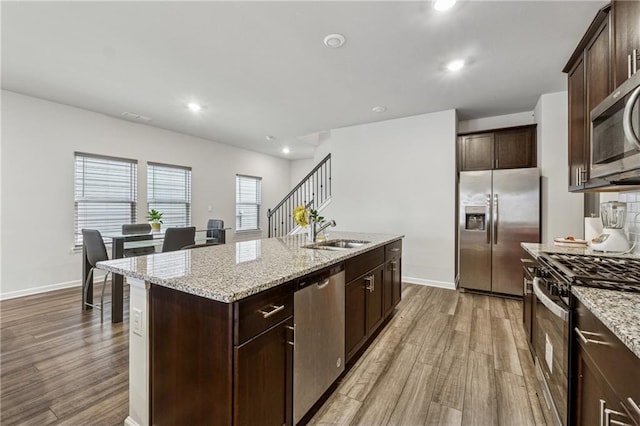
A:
x: 312, y: 191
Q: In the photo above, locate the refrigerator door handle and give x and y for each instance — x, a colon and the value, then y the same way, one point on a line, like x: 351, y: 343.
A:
x: 488, y: 216
x: 495, y: 219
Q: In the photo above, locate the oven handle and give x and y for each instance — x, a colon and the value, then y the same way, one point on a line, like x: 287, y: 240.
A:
x: 627, y: 123
x: 555, y: 309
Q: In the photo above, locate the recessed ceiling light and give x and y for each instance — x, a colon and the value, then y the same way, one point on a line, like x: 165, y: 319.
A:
x: 456, y: 65
x: 285, y: 150
x: 270, y: 138
x: 442, y: 5
x: 379, y: 108
x: 194, y: 107
x: 334, y: 41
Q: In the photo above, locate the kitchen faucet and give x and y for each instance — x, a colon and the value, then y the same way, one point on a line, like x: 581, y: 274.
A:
x: 314, y: 231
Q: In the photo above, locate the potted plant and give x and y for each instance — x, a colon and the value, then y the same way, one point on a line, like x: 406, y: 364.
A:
x: 155, y: 218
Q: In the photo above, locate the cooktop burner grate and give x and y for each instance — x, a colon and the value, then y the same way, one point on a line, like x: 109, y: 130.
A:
x: 613, y: 273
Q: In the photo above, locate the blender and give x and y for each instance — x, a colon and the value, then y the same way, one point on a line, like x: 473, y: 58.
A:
x: 613, y: 238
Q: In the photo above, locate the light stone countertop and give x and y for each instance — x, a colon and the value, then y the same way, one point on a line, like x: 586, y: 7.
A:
x: 230, y: 272
x: 534, y: 249
x: 617, y: 310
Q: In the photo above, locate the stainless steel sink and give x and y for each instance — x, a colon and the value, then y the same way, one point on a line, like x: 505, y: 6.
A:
x: 337, y: 244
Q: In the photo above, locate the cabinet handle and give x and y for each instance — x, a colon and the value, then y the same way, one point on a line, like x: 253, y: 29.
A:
x: 393, y: 266
x: 583, y: 176
x: 371, y: 283
x: 395, y: 249
x: 628, y: 66
x: 291, y: 342
x: 634, y: 63
x: 581, y: 335
x: 275, y: 309
x: 633, y: 405
x: 578, y: 176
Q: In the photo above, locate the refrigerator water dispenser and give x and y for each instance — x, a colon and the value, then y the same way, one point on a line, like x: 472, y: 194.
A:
x: 475, y: 218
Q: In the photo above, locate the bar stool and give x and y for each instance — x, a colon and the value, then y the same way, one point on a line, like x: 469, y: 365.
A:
x: 96, y: 252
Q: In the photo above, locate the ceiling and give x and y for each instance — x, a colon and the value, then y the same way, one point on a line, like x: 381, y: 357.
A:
x: 261, y: 68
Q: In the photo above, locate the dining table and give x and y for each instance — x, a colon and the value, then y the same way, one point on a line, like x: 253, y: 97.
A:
x: 118, y: 241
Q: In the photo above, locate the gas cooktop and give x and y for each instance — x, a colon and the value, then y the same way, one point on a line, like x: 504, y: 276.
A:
x: 614, y: 273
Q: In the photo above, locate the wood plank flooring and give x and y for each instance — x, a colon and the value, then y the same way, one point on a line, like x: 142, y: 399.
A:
x: 61, y: 365
x: 445, y: 358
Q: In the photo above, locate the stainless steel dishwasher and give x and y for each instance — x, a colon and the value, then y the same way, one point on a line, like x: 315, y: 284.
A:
x: 318, y: 352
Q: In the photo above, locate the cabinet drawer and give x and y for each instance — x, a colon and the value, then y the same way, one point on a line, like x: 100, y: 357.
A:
x: 359, y: 265
x: 617, y: 364
x: 393, y: 250
x: 257, y: 313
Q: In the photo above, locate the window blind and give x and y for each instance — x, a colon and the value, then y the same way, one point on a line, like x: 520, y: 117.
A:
x: 105, y: 193
x: 169, y: 192
x: 248, y: 199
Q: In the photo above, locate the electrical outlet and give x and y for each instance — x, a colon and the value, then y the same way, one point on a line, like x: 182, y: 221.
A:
x: 137, y: 321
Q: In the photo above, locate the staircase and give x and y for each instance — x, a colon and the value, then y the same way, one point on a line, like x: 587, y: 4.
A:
x: 313, y: 191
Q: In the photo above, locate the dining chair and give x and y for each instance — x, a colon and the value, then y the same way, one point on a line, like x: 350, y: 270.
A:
x: 138, y: 228
x: 96, y: 252
x: 215, y: 231
x: 176, y: 238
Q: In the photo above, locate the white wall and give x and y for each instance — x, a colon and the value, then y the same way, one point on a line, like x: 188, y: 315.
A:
x: 562, y: 211
x: 299, y: 169
x: 496, y: 122
x: 398, y: 176
x: 38, y: 143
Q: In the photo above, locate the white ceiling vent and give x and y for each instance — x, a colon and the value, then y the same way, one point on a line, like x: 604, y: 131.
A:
x: 137, y: 117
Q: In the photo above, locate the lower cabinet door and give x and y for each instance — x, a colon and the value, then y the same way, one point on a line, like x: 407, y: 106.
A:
x: 355, y: 311
x: 264, y: 378
x: 374, y: 287
x: 396, y: 285
x: 596, y: 404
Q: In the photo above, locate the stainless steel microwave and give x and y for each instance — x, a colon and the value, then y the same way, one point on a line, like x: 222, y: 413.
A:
x: 615, y: 135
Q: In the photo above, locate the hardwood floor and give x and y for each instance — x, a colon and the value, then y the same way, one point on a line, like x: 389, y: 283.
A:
x: 61, y: 365
x: 444, y: 358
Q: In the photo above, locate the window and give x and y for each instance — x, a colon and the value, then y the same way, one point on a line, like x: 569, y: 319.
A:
x: 248, y: 198
x: 169, y: 192
x: 105, y: 193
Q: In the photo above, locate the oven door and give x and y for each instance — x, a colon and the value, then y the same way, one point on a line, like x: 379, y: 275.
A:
x: 615, y: 131
x: 551, y: 346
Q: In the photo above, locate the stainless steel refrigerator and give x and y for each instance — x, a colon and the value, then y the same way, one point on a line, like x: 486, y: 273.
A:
x: 498, y: 210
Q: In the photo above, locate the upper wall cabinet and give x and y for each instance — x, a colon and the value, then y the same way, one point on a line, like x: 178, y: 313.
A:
x: 589, y: 74
x: 626, y: 29
x: 510, y: 148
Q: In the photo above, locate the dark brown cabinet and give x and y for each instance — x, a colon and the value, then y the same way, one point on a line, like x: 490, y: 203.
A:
x: 373, y: 286
x: 589, y: 82
x: 355, y: 318
x: 371, y: 293
x: 626, y: 28
x: 266, y: 361
x: 606, y: 374
x: 392, y: 276
x: 498, y: 149
x: 214, y: 360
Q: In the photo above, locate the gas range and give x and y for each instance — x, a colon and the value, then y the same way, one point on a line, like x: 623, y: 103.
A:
x: 608, y: 272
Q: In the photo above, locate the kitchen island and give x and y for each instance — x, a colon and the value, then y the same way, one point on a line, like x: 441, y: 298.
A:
x: 212, y: 329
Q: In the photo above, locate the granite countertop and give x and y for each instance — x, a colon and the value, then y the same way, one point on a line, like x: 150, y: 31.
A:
x: 230, y: 272
x: 617, y: 310
x: 534, y: 249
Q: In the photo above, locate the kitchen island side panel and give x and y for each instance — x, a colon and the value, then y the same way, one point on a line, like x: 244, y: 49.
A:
x: 191, y: 363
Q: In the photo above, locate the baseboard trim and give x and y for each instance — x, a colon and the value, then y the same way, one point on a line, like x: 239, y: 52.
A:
x: 130, y: 422
x: 45, y: 288
x: 430, y: 283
